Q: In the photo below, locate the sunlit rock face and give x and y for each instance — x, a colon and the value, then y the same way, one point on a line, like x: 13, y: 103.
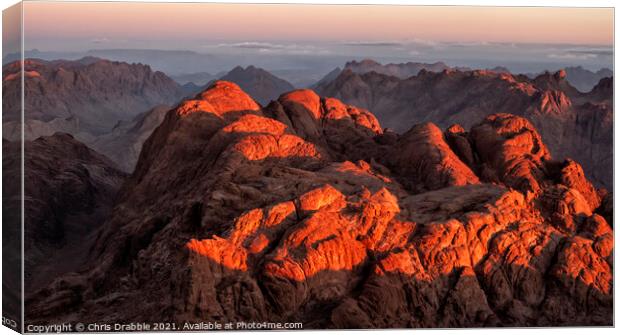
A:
x: 305, y: 210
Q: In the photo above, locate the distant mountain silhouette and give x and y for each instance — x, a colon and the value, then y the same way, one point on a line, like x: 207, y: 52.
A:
x: 333, y: 74
x: 260, y: 84
x: 401, y: 70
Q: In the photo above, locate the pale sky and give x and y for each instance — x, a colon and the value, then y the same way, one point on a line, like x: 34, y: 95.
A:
x: 106, y: 23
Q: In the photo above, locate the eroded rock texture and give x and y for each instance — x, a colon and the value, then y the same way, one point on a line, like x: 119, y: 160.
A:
x: 307, y: 211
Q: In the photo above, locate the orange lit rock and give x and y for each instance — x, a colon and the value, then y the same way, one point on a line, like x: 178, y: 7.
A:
x: 220, y: 98
x: 513, y: 150
x: 303, y: 100
x: 427, y: 162
x: 336, y: 110
x: 325, y: 197
x: 572, y: 176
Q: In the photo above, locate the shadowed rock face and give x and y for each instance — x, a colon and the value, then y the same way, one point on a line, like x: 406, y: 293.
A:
x: 68, y: 193
x: 306, y: 211
x: 572, y: 124
x: 124, y: 143
x: 86, y: 97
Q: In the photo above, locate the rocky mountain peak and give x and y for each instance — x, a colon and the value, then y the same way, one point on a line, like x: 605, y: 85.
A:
x: 555, y: 81
x: 219, y: 98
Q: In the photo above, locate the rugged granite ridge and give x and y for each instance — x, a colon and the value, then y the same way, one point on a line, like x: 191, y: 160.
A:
x: 581, y: 79
x: 400, y: 70
x: 307, y: 211
x: 573, y: 124
x: 86, y: 97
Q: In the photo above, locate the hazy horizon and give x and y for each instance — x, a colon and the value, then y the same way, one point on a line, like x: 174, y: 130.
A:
x: 321, y: 37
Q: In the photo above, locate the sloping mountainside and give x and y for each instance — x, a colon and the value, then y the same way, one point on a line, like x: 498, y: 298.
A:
x: 124, y: 143
x: 572, y: 124
x: 260, y: 84
x: 85, y: 97
x: 307, y: 211
x: 69, y: 190
x: 331, y: 75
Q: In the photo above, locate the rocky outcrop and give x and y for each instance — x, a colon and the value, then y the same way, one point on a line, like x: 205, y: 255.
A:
x: 573, y: 124
x: 242, y: 213
x: 426, y: 162
x: 511, y: 152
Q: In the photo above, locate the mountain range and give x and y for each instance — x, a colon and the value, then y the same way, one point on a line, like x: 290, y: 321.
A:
x: 399, y: 195
x: 83, y: 98
x: 573, y: 124
x: 400, y: 70
x: 582, y: 79
x: 111, y: 106
x: 308, y: 210
x: 86, y: 97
